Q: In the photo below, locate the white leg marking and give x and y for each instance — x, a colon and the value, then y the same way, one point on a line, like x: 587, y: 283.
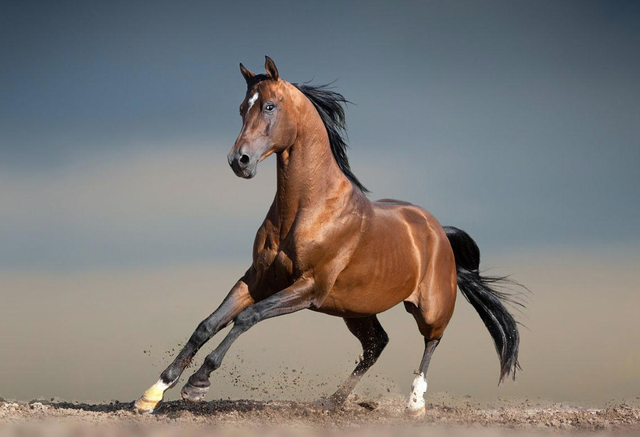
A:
x: 418, y: 389
x: 161, y: 385
x: 251, y: 101
x: 156, y: 391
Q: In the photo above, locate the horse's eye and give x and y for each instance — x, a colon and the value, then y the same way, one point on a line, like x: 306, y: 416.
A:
x: 269, y: 107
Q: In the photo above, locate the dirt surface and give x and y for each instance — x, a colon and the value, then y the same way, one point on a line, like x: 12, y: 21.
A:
x: 381, y: 417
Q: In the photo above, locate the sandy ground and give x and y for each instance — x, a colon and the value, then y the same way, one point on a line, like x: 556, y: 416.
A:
x: 381, y: 417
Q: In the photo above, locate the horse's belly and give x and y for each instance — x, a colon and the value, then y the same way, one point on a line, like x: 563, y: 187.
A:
x: 363, y: 302
x: 379, y: 276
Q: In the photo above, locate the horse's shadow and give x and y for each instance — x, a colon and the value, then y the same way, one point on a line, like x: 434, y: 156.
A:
x: 244, y: 406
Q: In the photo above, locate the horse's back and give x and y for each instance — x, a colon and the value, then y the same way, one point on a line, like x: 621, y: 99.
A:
x: 420, y: 221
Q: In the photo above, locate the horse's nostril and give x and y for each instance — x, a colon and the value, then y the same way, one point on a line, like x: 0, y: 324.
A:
x: 244, y: 159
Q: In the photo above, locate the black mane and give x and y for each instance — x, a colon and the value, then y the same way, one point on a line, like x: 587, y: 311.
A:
x: 330, y: 107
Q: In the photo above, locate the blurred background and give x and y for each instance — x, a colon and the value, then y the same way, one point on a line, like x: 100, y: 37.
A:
x: 122, y: 226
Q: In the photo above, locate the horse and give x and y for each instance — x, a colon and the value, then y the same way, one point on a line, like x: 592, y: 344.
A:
x: 324, y: 246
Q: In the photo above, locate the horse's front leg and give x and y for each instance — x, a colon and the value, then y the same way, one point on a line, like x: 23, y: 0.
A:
x: 300, y: 295
x: 237, y: 300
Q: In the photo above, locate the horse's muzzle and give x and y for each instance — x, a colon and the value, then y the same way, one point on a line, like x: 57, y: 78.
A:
x: 242, y: 164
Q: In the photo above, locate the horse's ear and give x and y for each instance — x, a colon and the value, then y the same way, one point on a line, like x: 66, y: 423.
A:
x: 270, y: 66
x: 246, y: 73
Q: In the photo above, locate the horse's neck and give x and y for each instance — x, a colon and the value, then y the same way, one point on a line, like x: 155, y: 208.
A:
x: 307, y: 175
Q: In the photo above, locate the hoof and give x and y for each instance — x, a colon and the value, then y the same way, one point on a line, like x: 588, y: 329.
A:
x: 152, y: 398
x: 191, y: 393
x: 415, y: 412
x: 328, y: 404
x: 416, y: 406
x: 144, y: 405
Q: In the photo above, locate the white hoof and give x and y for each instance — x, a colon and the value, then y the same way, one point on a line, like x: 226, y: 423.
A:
x: 416, y: 405
x: 152, y: 398
x: 415, y: 413
x: 144, y: 405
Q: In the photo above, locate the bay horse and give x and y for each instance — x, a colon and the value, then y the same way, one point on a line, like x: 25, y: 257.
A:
x: 326, y: 247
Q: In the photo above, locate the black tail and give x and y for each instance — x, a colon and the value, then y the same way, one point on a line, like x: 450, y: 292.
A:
x: 487, y: 301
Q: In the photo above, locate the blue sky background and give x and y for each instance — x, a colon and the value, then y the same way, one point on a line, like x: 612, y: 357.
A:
x: 517, y: 121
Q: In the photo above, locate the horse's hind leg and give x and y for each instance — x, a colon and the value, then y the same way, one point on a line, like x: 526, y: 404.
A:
x: 373, y: 339
x: 431, y: 325
x: 416, y: 403
x: 237, y: 300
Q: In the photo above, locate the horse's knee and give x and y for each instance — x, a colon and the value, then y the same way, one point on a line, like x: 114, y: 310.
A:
x: 203, y: 333
x: 247, y: 318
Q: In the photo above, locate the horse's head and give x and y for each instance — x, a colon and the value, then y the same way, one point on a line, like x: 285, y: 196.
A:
x: 268, y: 120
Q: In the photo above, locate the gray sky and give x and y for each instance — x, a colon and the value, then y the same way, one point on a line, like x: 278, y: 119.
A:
x: 517, y: 121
